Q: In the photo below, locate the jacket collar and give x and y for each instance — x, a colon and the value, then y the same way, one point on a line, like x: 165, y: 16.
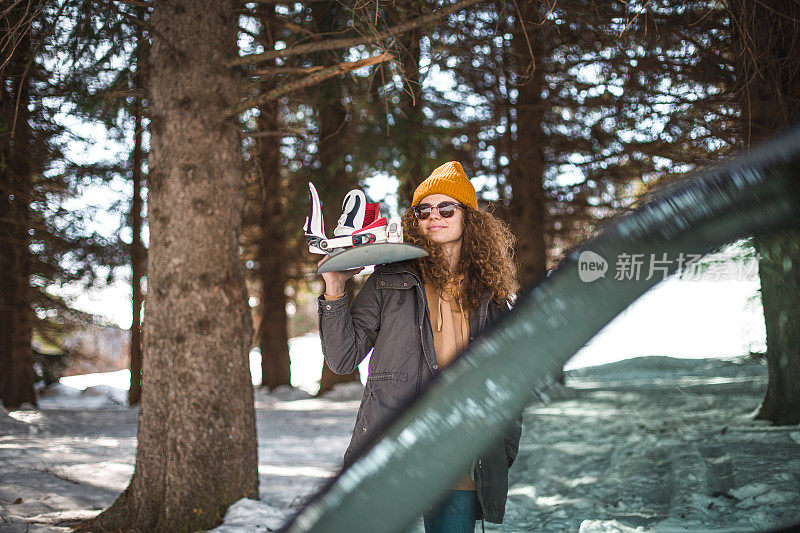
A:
x: 409, y: 266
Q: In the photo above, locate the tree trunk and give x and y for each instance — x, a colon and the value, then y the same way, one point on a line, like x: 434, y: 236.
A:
x: 331, y: 149
x: 766, y: 44
x: 413, y: 152
x: 137, y: 250
x: 274, y: 341
x: 196, y: 450
x: 526, y: 171
x: 16, y: 187
x: 780, y: 293
x: 274, y: 338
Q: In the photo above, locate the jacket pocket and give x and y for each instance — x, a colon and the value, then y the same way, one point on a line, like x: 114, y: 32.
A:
x: 394, y: 291
x: 389, y: 391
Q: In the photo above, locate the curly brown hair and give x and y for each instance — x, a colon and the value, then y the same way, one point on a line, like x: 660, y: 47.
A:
x: 486, y: 264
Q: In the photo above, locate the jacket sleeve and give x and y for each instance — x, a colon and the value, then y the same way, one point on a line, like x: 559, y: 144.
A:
x: 348, y: 334
x: 513, y: 433
x: 511, y: 439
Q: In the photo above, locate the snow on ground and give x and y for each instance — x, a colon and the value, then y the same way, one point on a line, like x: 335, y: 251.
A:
x: 89, y: 391
x: 656, y: 444
x: 648, y: 444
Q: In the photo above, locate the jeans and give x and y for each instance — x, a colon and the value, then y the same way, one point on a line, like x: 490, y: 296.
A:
x: 456, y: 514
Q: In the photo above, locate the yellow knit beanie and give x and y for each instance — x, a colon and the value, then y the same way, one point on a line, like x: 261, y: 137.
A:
x: 451, y: 180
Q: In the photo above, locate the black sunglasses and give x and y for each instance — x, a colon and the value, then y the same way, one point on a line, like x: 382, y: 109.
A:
x: 445, y: 209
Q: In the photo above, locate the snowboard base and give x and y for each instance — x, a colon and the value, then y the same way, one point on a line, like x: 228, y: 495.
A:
x: 370, y: 254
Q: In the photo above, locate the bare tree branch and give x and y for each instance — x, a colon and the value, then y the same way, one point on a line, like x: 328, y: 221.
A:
x: 333, y: 44
x: 313, y: 79
x: 137, y: 3
x: 273, y: 71
x: 270, y: 133
x: 271, y: 2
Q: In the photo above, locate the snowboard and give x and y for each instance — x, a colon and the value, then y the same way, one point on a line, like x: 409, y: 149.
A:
x: 370, y: 254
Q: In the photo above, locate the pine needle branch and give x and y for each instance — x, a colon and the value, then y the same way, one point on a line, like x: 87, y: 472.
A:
x: 347, y: 42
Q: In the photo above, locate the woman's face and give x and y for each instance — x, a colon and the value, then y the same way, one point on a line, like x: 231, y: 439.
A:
x: 437, y: 228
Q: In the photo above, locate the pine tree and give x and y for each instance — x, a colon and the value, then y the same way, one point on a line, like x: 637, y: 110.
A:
x: 273, y: 248
x: 106, y: 47
x: 765, y: 41
x: 137, y: 252
x: 17, y: 170
x: 527, y: 162
x: 43, y: 245
x: 196, y: 450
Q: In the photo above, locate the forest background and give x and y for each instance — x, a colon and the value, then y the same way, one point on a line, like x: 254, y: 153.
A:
x: 567, y: 114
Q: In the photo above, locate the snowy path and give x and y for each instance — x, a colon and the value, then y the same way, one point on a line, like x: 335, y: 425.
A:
x: 650, y: 444
x: 659, y: 452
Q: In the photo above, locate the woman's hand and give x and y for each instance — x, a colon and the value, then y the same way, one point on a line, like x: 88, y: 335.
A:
x: 334, y: 281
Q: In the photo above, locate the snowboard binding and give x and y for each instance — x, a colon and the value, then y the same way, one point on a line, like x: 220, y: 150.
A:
x: 362, y: 236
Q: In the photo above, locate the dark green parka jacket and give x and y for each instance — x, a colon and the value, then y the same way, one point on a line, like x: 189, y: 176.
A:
x: 390, y: 314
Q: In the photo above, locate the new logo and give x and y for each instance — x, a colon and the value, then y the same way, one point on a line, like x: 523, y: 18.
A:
x: 591, y: 266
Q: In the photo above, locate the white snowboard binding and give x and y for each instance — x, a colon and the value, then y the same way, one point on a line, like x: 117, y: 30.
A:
x: 362, y: 236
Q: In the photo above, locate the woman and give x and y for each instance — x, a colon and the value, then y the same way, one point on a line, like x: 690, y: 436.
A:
x: 418, y: 316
